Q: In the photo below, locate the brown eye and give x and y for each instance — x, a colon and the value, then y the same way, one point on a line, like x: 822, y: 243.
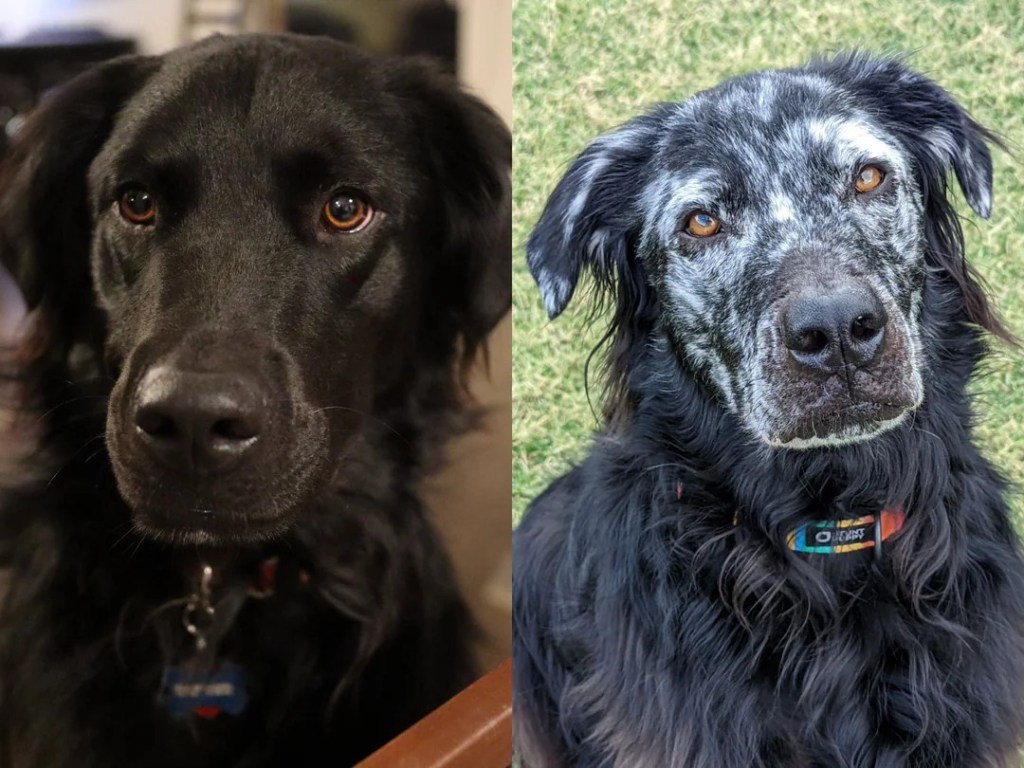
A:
x: 702, y: 224
x: 868, y: 178
x: 137, y: 206
x: 347, y: 212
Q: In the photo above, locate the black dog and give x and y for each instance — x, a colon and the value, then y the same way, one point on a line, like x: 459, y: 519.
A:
x: 784, y: 549
x: 258, y: 264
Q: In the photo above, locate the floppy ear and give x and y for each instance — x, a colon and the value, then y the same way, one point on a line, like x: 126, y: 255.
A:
x: 45, y: 227
x: 938, y: 131
x: 468, y: 151
x: 943, y: 139
x: 592, y: 215
x: 593, y: 221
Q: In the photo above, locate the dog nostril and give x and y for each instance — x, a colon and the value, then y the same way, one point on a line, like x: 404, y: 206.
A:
x: 865, y: 328
x: 235, y: 429
x: 155, y: 424
x: 811, y: 341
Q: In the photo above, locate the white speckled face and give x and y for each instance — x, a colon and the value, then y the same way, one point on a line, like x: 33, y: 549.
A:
x: 813, y: 193
x: 782, y: 184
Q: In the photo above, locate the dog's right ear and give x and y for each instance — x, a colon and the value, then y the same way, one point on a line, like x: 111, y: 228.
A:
x: 592, y: 213
x: 44, y: 218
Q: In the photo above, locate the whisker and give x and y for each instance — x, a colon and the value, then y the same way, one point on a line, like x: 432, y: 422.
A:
x: 364, y: 414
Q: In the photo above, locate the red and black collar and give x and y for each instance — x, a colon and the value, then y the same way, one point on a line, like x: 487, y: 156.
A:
x: 204, y: 682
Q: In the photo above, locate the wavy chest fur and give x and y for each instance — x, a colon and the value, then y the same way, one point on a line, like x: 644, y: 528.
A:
x: 857, y: 674
x: 684, y: 640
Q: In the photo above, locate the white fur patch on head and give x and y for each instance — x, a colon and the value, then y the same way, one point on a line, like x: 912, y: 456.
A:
x: 670, y: 196
x: 855, y: 140
x: 782, y: 208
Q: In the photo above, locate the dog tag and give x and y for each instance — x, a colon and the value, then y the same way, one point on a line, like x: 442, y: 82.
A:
x: 205, y: 692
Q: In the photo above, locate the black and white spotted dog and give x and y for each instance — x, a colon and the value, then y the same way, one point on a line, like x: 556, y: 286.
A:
x: 784, y: 548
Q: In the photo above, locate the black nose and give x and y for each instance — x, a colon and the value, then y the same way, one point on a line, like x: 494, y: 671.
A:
x: 205, y: 422
x: 827, y: 329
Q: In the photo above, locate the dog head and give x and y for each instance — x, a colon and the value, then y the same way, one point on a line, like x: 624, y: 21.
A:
x: 265, y: 241
x: 780, y: 228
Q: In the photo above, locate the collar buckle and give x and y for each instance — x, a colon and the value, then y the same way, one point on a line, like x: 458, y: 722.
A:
x: 199, y: 613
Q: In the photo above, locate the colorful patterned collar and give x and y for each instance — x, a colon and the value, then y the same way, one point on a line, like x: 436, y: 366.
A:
x: 838, y: 537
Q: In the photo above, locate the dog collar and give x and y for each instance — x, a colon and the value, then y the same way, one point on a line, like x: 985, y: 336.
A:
x: 838, y: 537
x: 203, y: 684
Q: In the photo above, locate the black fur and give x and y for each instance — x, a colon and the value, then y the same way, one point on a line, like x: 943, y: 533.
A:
x: 241, y: 140
x: 660, y: 618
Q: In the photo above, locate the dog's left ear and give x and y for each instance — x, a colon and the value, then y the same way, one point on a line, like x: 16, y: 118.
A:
x: 45, y: 226
x: 936, y: 129
x: 468, y: 151
x: 942, y: 138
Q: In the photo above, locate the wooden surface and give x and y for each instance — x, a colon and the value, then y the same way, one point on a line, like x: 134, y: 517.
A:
x: 473, y: 730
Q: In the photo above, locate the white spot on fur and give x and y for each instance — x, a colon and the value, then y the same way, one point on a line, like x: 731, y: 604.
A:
x: 681, y: 282
x: 596, y: 243
x: 554, y: 289
x: 983, y: 202
x: 942, y: 142
x: 669, y: 197
x: 855, y: 137
x: 782, y: 208
x: 579, y: 200
x: 946, y: 147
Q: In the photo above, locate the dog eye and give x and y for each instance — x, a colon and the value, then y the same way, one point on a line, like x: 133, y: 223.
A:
x: 347, y: 212
x: 137, y: 206
x: 868, y: 178
x: 702, y: 224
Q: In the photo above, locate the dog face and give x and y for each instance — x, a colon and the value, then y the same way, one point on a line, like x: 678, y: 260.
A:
x: 283, y: 233
x: 800, y: 296
x: 782, y: 223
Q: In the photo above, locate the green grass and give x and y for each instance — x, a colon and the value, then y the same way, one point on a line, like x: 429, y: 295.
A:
x: 583, y: 67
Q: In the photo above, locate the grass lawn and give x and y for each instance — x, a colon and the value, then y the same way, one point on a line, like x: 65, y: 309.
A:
x: 585, y: 66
